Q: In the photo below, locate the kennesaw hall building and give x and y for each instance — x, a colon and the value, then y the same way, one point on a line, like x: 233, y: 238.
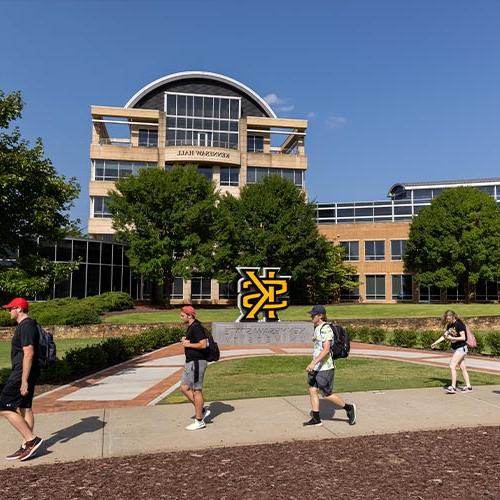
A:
x: 374, y: 234
x: 204, y: 118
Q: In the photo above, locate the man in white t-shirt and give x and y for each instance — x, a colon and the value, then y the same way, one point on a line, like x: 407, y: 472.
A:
x: 321, y: 370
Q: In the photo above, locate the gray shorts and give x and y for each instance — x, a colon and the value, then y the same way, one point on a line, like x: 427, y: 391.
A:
x: 194, y: 373
x: 322, y: 380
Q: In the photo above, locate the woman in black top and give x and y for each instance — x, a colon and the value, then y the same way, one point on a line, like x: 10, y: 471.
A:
x: 456, y: 333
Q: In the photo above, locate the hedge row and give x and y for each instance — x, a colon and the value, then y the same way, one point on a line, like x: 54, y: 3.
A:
x: 75, y: 312
x: 422, y: 339
x: 82, y: 361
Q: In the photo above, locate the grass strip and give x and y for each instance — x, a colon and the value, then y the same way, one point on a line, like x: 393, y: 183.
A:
x: 262, y: 377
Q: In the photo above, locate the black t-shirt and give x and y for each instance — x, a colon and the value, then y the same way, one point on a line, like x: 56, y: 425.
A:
x: 26, y: 334
x: 194, y: 334
x: 458, y: 326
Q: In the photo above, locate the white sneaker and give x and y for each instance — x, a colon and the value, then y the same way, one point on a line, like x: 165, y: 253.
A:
x: 207, y: 413
x: 197, y: 424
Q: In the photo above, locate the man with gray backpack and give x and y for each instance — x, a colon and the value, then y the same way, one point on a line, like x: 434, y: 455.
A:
x: 329, y: 342
x: 17, y: 395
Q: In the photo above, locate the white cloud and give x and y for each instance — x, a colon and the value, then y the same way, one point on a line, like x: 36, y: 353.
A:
x: 335, y: 121
x: 312, y: 114
x: 273, y: 99
x: 278, y: 103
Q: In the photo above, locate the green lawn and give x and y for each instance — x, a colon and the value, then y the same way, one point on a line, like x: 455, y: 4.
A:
x: 261, y: 377
x: 351, y: 311
x: 63, y: 345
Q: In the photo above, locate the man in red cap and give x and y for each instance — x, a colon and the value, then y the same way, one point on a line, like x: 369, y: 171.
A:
x: 17, y: 395
x: 195, y: 347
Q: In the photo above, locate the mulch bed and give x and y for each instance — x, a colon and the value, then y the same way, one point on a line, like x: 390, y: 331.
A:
x: 456, y: 463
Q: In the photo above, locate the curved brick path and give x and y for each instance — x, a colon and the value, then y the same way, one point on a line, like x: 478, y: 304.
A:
x: 145, y: 380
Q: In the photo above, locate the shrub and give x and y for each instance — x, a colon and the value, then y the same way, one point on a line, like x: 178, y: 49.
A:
x: 116, y: 350
x: 426, y: 338
x: 363, y: 334
x: 404, y: 338
x: 87, y: 359
x: 110, y: 301
x: 60, y: 370
x: 5, y: 319
x: 73, y: 314
x: 377, y: 335
x: 493, y: 341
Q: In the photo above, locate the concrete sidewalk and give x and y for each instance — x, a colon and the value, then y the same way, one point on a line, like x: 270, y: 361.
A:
x: 110, y: 432
x: 147, y: 379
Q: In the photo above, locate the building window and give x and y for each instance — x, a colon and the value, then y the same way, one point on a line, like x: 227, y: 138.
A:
x: 397, y: 249
x: 148, y: 137
x: 487, y: 291
x: 350, y: 294
x: 257, y: 174
x: 402, y: 287
x: 177, y: 288
x: 99, y: 207
x: 209, y: 121
x: 229, y: 176
x: 201, y: 288
x: 255, y: 144
x: 375, y: 287
x: 111, y: 170
x: 206, y: 172
x: 429, y: 294
x: 374, y: 250
x: 228, y: 290
x: 351, y: 250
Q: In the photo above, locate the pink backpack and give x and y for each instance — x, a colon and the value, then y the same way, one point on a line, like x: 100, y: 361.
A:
x: 471, y: 339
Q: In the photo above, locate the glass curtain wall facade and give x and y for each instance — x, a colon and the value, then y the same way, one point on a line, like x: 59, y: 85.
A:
x: 199, y: 120
x: 104, y: 267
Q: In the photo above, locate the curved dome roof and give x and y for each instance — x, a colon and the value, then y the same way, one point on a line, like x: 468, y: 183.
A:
x: 237, y: 86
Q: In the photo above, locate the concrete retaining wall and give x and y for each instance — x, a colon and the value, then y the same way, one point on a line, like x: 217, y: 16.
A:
x: 105, y: 330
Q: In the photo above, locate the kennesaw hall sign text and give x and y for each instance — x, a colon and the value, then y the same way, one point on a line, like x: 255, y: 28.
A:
x: 203, y: 154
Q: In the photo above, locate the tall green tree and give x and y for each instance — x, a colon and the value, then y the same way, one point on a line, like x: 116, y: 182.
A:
x: 166, y: 218
x: 272, y: 225
x: 34, y: 202
x: 456, y: 241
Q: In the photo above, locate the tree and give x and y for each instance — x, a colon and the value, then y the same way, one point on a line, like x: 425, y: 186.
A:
x: 166, y: 218
x: 272, y: 225
x: 34, y: 203
x: 456, y: 240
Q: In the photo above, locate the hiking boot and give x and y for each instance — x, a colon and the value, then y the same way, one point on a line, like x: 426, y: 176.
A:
x: 467, y: 388
x: 197, y: 424
x: 30, y: 448
x: 351, y: 414
x: 16, y: 455
x: 314, y: 422
x: 451, y: 390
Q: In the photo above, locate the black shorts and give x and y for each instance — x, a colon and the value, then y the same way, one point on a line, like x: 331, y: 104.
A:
x: 11, y: 398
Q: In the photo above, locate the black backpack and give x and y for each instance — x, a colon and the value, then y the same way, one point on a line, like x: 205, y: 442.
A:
x: 46, y: 348
x: 341, y: 343
x: 213, y: 351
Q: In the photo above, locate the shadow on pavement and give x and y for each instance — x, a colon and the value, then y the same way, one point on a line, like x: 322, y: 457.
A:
x: 86, y: 425
x: 327, y: 411
x: 216, y: 409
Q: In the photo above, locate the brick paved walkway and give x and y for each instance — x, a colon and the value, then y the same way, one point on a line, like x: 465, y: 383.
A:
x: 145, y: 380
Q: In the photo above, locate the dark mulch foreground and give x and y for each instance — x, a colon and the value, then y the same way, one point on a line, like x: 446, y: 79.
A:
x: 458, y: 463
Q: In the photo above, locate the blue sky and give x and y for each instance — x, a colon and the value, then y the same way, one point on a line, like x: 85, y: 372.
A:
x: 394, y: 90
